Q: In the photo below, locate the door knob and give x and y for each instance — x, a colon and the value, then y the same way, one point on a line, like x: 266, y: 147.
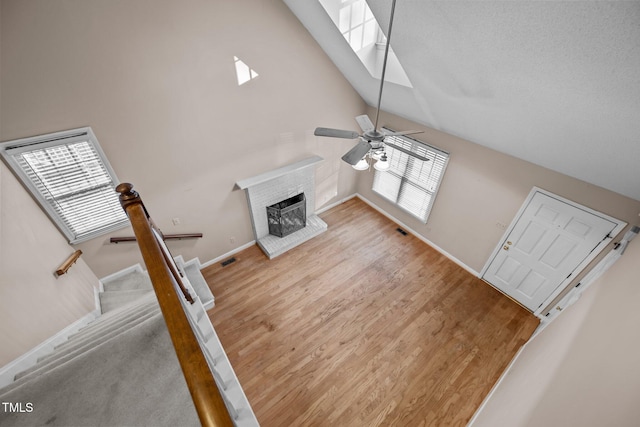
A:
x: 505, y: 247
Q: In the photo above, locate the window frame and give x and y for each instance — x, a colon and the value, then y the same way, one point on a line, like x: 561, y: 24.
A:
x: 11, y: 149
x: 425, y: 150
x: 355, y: 26
x: 370, y: 54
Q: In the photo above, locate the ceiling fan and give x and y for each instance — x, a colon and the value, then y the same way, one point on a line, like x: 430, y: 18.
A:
x: 371, y: 140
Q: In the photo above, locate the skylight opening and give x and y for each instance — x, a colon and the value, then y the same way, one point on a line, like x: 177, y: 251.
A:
x: 356, y: 22
x: 358, y: 25
x: 243, y: 72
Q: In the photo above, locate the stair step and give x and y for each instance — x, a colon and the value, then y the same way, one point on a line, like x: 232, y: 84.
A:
x: 95, y: 338
x: 125, y: 350
x: 199, y: 285
x: 115, y: 317
x: 69, y: 352
x: 130, y: 282
x: 134, y: 380
x: 111, y: 300
x: 41, y: 370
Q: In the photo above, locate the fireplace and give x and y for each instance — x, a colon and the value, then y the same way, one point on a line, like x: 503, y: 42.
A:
x: 266, y: 189
x: 287, y: 216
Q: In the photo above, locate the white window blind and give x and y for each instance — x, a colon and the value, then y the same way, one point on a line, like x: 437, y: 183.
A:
x: 69, y: 175
x: 411, y: 183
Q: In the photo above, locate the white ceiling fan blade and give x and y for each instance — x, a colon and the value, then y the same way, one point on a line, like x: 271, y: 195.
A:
x: 336, y: 133
x: 365, y: 123
x: 406, y: 132
x: 356, y: 154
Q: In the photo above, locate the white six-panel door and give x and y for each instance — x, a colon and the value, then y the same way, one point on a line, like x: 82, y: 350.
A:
x: 544, y: 246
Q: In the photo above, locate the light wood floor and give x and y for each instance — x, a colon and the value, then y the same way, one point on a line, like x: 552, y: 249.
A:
x: 363, y: 326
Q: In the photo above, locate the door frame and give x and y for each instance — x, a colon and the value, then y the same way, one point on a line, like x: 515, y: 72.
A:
x: 620, y: 225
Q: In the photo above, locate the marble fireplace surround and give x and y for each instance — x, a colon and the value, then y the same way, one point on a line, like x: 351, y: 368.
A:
x: 274, y: 186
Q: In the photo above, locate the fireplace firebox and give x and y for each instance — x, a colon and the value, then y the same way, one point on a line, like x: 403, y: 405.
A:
x: 287, y: 216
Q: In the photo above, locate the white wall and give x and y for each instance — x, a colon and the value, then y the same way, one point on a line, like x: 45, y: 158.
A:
x: 34, y: 304
x: 482, y: 187
x: 155, y: 79
x: 582, y: 370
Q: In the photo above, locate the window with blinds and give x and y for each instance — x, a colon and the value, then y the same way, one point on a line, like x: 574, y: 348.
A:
x: 69, y: 175
x: 411, y: 183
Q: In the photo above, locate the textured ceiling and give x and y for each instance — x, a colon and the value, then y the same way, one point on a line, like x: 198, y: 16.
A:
x: 553, y: 83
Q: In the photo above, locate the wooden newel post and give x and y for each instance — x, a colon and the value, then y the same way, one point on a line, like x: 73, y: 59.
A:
x: 128, y: 195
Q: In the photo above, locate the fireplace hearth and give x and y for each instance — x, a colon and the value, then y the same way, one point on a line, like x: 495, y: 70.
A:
x: 287, y: 216
x: 266, y: 189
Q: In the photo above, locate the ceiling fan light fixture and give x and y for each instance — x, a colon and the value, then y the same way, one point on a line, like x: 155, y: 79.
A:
x: 371, y: 141
x: 361, y: 165
x: 382, y: 164
x: 377, y: 155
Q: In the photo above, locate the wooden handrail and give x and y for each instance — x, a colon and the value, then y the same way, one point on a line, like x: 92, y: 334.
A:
x: 174, y: 270
x: 165, y: 237
x: 65, y: 266
x: 204, y: 391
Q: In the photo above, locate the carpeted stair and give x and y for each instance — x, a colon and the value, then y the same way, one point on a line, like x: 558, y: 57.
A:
x: 122, y: 290
x: 120, y: 370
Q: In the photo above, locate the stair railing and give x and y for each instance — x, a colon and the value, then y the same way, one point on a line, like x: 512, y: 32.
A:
x: 66, y: 265
x: 117, y: 240
x: 200, y: 381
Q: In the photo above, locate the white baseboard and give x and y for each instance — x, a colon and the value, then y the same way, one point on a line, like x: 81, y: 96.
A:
x: 418, y: 235
x: 374, y: 206
x: 333, y: 205
x: 253, y: 242
x: 96, y: 298
x: 30, y: 358
x: 228, y: 254
x: 195, y: 261
x: 182, y: 263
x: 179, y: 260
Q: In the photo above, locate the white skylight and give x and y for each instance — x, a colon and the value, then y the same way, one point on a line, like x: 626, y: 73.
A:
x: 358, y: 25
x: 243, y: 72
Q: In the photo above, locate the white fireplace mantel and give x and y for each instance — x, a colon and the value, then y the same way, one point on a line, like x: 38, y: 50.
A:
x: 274, y: 186
x: 276, y: 173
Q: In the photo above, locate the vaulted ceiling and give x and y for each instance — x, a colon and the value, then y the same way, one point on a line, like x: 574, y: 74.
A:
x: 556, y: 83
